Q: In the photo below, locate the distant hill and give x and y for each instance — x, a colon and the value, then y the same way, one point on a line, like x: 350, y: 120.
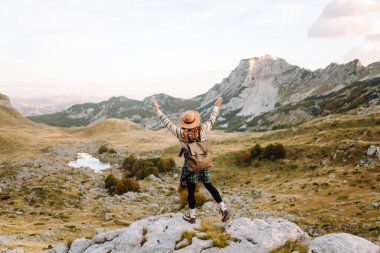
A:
x: 31, y: 106
x: 256, y: 86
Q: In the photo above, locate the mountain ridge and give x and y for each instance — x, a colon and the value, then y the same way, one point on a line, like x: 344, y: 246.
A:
x: 257, y: 85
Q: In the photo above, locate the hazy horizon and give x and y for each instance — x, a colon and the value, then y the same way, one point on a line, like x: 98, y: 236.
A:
x: 140, y: 48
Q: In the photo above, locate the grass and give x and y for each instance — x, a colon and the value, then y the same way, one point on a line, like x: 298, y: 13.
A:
x: 291, y: 246
x: 217, y: 234
x: 307, y: 145
x: 188, y: 235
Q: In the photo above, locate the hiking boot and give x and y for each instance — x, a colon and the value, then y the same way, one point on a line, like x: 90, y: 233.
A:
x: 225, y: 215
x: 187, y: 218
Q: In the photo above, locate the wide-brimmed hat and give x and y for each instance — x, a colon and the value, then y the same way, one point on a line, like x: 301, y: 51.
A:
x: 189, y: 119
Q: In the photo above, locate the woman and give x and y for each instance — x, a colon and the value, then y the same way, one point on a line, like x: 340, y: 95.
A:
x: 190, y: 129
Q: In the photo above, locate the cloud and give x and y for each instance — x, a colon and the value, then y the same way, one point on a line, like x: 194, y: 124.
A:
x: 368, y: 52
x: 351, y: 19
x: 347, y: 18
x: 348, y: 8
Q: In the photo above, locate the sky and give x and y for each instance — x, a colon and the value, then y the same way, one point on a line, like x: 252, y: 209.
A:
x: 136, y: 48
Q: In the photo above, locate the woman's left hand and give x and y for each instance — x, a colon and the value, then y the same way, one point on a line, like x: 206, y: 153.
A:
x: 155, y: 105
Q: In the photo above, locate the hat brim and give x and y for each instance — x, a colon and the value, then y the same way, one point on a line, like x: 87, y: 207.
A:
x: 195, y: 123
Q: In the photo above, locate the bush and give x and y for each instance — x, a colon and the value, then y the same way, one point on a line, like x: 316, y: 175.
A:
x: 121, y: 186
x: 270, y: 152
x: 131, y: 184
x: 110, y: 181
x: 128, y: 162
x: 200, y: 199
x: 279, y: 151
x: 245, y: 157
x: 102, y: 149
x: 141, y: 168
x: 274, y: 151
x: 256, y: 151
x: 112, y: 151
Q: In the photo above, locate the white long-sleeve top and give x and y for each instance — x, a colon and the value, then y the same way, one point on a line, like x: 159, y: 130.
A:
x: 177, y: 131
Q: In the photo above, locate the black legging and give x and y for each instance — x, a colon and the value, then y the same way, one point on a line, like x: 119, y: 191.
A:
x: 191, y: 193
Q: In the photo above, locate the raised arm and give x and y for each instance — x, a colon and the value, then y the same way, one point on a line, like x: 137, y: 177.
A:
x: 211, y: 121
x: 175, y: 130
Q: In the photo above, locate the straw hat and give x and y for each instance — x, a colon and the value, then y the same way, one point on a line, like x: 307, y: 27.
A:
x: 189, y: 119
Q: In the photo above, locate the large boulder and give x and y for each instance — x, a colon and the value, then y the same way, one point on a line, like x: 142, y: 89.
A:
x: 342, y: 243
x: 163, y: 233
x: 262, y: 235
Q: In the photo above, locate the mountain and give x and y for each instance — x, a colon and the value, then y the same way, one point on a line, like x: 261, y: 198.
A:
x: 365, y: 93
x: 257, y: 85
x: 31, y: 106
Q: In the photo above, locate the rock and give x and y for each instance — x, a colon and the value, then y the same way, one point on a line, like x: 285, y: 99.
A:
x: 182, y: 243
x: 371, y: 150
x: 161, y: 234
x: 375, y: 204
x: 99, y: 230
x: 331, y: 176
x: 5, y: 240
x: 289, y: 217
x: 79, y: 245
x: 210, y: 207
x: 257, y: 193
x: 342, y: 243
x: 153, y: 177
x: 108, y: 216
x: 196, y: 246
x: 264, y: 235
x: 130, y: 195
x: 58, y: 249
x: 11, y: 251
x: 325, y: 162
x: 292, y: 199
x: 47, y: 234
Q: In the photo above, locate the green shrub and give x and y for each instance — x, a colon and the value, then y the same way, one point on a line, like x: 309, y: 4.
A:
x: 112, y: 151
x: 102, y: 149
x: 256, y: 151
x: 128, y: 162
x: 270, y: 152
x: 110, y: 181
x: 274, y: 151
x: 141, y: 168
x: 279, y: 151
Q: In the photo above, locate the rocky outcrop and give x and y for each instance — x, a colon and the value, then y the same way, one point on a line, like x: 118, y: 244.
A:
x: 342, y: 242
x: 163, y: 234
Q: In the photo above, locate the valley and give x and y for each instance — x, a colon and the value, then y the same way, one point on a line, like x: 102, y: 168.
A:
x: 328, y: 181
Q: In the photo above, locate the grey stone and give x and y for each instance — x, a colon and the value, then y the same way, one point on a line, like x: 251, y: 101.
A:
x: 79, y: 245
x: 342, y: 243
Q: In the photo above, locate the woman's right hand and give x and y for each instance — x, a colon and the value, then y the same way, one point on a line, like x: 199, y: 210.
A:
x: 155, y: 105
x: 218, y: 101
